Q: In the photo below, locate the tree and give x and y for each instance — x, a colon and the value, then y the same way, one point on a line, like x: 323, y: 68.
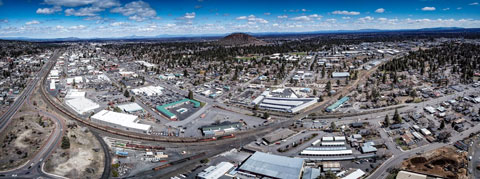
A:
x: 333, y: 126
x: 266, y: 115
x: 65, y: 142
x: 185, y: 73
x: 396, y: 117
x: 442, y: 125
x: 329, y: 86
x: 314, y: 92
x: 126, y: 94
x: 132, y: 99
x: 386, y: 123
x: 190, y: 94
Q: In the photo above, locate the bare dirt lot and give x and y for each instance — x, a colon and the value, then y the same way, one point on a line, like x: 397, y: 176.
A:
x: 22, y: 138
x: 445, y: 162
x: 82, y: 159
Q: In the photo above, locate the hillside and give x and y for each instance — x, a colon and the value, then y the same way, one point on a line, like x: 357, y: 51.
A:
x: 240, y: 39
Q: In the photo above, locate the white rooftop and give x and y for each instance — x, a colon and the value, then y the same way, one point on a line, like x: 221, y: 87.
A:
x: 81, y: 105
x: 126, y: 120
x: 215, y: 172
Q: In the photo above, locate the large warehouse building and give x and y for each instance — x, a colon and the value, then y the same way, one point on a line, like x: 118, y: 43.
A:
x: 121, y: 121
x: 272, y: 166
x: 284, y: 101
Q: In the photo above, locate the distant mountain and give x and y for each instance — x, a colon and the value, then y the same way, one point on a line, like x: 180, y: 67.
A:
x: 240, y: 39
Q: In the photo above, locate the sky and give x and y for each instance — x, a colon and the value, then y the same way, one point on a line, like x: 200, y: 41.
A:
x: 120, y: 18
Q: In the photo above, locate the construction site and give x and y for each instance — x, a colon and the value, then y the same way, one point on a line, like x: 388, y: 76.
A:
x: 444, y: 162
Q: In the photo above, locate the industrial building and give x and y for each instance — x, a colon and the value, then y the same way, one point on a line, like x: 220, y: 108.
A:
x: 215, y: 172
x: 121, y: 121
x: 340, y: 74
x: 81, y: 105
x: 272, y: 166
x: 337, y: 104
x: 148, y: 91
x: 283, y: 100
x: 130, y: 107
x: 222, y: 128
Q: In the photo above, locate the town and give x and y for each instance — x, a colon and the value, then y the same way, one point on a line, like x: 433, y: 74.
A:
x: 376, y: 104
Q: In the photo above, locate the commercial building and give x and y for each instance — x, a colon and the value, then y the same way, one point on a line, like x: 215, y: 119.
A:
x: 277, y: 135
x: 284, y: 100
x: 81, y: 105
x: 148, y: 91
x: 412, y: 175
x: 272, y: 166
x: 337, y: 104
x: 355, y: 174
x: 340, y: 74
x: 311, y: 173
x: 164, y: 108
x: 130, y: 107
x: 215, y: 172
x: 220, y: 129
x: 121, y: 121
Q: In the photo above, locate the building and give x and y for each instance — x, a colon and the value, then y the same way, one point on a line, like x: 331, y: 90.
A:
x: 164, y: 108
x: 311, y: 173
x: 215, y: 172
x: 331, y: 166
x: 340, y: 74
x: 412, y: 175
x: 283, y: 100
x: 277, y: 135
x: 337, y: 104
x: 355, y: 174
x: 121, y: 121
x: 220, y: 129
x: 130, y: 107
x: 272, y: 166
x: 368, y: 147
x: 148, y: 91
x: 81, y: 105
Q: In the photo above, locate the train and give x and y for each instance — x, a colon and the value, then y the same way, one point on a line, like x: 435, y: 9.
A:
x: 183, y: 160
x: 144, y: 146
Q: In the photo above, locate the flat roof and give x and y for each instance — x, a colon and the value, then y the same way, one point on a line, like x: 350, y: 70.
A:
x: 355, y: 175
x: 273, y: 165
x: 81, y: 104
x: 126, y: 120
x: 214, y: 172
x: 130, y: 107
x: 326, y: 152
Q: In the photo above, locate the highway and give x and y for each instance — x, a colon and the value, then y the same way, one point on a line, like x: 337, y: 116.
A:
x: 34, y: 167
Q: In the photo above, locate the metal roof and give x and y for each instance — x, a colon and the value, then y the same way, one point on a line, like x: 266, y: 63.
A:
x: 274, y: 166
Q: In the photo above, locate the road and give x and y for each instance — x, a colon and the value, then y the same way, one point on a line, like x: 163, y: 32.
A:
x: 12, y: 110
x: 34, y: 167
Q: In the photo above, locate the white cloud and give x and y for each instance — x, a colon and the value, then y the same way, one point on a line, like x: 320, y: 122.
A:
x: 304, y: 10
x: 32, y: 22
x: 428, y: 9
x: 380, y: 10
x: 346, y: 12
x: 473, y: 4
x: 77, y: 27
x: 301, y: 18
x: 346, y: 17
x: 86, y: 11
x: 382, y: 19
x: 267, y: 13
x: 307, y: 18
x: 282, y: 17
x: 189, y: 15
x: 118, y: 24
x: 76, y: 3
x: 365, y: 19
x: 136, y: 10
x: 3, y: 20
x: 241, y: 18
x: 49, y: 10
x: 459, y: 8
x: 446, y: 9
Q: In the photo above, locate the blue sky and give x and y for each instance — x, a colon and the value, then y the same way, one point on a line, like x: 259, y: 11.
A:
x: 117, y: 18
